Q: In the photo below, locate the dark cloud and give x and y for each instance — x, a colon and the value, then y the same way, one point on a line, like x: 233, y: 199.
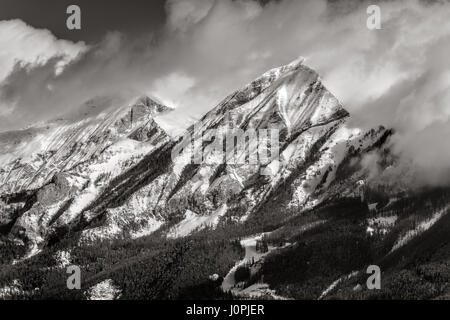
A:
x: 133, y: 17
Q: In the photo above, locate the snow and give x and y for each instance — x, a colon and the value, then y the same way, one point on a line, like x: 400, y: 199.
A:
x: 380, y: 224
x: 107, y: 231
x: 31, y: 252
x: 62, y: 258
x: 383, y: 221
x: 236, y: 176
x: 34, y: 154
x: 282, y: 102
x: 13, y: 290
x: 332, y: 153
x: 288, y: 152
x: 105, y: 290
x: 325, y: 108
x: 116, y: 222
x: 336, y: 283
x: 256, y: 290
x: 249, y: 244
x: 181, y: 160
x: 203, y: 177
x: 277, y: 89
x: 213, y: 277
x: 391, y: 201
x: 193, y: 221
x: 421, y: 228
x: 176, y: 122
x: 152, y: 226
x: 260, y: 290
x: 273, y: 168
x: 76, y: 181
x: 296, y: 63
x: 370, y: 231
x: 81, y: 201
x: 111, y: 163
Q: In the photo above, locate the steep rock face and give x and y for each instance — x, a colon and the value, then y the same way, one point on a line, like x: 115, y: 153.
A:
x: 313, y: 141
x: 119, y: 174
x: 60, y: 167
x: 32, y: 156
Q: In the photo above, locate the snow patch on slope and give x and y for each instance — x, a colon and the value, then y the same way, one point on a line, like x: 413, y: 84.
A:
x: 421, y: 228
x: 63, y: 258
x: 380, y: 224
x: 193, y: 221
x: 252, y: 256
x: 335, y: 284
x: 112, y: 162
x: 105, y: 290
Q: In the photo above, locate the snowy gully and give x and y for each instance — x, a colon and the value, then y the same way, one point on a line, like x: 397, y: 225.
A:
x: 233, y: 310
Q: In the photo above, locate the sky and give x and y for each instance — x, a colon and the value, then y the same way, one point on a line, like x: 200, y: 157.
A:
x: 136, y: 17
x: 192, y: 53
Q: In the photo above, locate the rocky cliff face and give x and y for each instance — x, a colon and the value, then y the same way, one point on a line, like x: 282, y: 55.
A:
x: 119, y: 174
x: 51, y: 172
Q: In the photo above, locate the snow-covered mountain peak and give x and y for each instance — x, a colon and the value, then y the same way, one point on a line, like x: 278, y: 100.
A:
x: 290, y: 98
x: 119, y: 167
x: 151, y: 105
x: 292, y: 66
x: 30, y: 156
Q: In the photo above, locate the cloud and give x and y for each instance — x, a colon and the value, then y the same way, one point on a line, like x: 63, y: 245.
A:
x: 172, y: 85
x: 398, y: 76
x: 184, y: 14
x: 24, y: 48
x: 23, y: 44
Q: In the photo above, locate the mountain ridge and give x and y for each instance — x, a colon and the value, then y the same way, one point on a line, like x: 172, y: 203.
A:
x: 290, y: 99
x: 119, y: 179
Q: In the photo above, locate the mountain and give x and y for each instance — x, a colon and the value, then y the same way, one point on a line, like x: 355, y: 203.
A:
x: 118, y: 196
x: 50, y: 172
